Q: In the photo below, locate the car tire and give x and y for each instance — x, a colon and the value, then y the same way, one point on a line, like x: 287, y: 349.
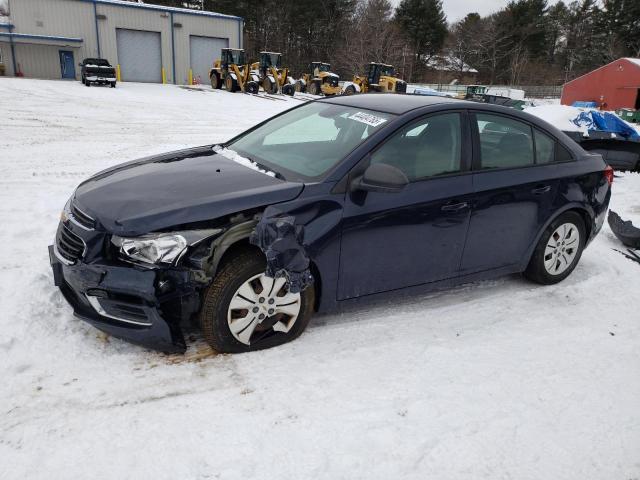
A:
x: 216, y: 312
x: 555, y: 256
x: 113, y: 84
x: 87, y: 83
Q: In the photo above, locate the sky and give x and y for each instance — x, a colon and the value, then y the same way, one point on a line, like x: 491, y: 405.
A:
x: 457, y: 9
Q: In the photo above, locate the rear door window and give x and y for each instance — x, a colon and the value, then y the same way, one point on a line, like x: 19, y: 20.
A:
x: 504, y: 142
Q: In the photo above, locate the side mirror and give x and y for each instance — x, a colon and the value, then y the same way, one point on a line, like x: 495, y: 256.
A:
x: 381, y: 177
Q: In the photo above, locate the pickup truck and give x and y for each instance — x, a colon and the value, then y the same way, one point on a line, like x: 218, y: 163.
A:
x: 97, y: 70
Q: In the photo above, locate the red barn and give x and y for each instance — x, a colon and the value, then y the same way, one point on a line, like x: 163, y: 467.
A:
x: 615, y: 85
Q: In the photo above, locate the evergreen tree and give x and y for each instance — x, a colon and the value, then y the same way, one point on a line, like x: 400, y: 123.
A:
x: 620, y: 20
x: 425, y: 26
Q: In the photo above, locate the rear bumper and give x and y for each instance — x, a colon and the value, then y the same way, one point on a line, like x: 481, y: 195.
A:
x: 120, y: 301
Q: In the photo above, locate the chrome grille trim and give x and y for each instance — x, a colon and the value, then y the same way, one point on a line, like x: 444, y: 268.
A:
x: 81, y: 219
x: 68, y: 245
x: 95, y: 303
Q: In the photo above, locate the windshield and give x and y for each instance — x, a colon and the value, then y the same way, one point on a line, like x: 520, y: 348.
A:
x: 305, y: 143
x: 237, y: 57
x: 96, y: 61
x: 270, y: 59
x: 387, y: 70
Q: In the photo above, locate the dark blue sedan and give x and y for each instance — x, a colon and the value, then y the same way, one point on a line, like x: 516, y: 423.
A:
x: 331, y: 202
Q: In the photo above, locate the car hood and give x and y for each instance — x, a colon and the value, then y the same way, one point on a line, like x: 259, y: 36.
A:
x: 176, y: 188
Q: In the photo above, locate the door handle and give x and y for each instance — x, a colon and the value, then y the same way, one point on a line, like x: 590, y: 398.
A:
x: 454, y: 207
x: 541, y: 189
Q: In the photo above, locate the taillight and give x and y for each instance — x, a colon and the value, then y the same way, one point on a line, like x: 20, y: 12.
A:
x: 608, y: 174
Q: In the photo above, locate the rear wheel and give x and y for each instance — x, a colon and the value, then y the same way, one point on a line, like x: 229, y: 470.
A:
x: 113, y: 84
x: 558, y: 250
x: 350, y: 90
x: 244, y: 310
x: 314, y: 88
x: 216, y: 81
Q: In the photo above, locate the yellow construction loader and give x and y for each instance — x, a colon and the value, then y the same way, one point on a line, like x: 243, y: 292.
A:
x: 321, y: 81
x: 378, y: 77
x: 233, y: 72
x: 272, y: 76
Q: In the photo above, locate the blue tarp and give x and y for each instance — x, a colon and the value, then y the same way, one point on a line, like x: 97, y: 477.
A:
x: 580, y: 104
x: 606, y: 122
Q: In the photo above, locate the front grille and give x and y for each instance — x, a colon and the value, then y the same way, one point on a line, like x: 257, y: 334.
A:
x: 82, y: 218
x: 70, y: 246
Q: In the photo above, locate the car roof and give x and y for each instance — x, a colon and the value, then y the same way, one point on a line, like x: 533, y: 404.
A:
x: 390, y: 103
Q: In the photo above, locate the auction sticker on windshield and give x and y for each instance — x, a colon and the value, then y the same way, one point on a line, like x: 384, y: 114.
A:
x: 368, y: 119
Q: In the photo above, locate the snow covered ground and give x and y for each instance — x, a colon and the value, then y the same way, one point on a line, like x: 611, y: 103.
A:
x: 492, y: 380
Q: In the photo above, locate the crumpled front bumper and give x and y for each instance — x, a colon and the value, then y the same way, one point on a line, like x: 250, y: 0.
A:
x: 120, y: 300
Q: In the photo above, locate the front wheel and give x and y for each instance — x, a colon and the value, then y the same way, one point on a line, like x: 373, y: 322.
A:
x: 231, y: 84
x: 269, y: 85
x: 252, y: 87
x: 558, y: 250
x: 288, y: 89
x: 244, y: 310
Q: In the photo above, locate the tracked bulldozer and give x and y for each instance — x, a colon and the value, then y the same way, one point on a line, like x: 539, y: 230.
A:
x: 272, y: 76
x: 378, y: 77
x: 233, y: 72
x: 321, y: 80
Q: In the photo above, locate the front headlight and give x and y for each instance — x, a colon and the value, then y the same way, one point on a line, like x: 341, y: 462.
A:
x: 165, y: 248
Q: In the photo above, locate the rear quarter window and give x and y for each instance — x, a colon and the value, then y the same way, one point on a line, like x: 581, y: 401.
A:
x: 562, y: 154
x: 545, y: 148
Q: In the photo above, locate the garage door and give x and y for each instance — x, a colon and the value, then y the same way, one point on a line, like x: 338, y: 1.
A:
x: 204, y: 51
x: 139, y: 55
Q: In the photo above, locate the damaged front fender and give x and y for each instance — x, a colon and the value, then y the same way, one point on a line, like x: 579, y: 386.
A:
x: 282, y: 242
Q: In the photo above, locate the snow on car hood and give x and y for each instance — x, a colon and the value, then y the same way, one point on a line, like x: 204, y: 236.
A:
x: 172, y: 189
x: 236, y: 157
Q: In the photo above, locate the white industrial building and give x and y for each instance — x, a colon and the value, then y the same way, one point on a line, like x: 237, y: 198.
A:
x: 150, y: 43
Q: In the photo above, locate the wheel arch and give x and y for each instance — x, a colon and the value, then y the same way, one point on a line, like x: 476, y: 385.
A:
x: 582, y: 210
x: 236, y: 241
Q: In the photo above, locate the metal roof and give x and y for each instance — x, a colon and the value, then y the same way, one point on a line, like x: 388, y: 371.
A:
x: 162, y: 8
